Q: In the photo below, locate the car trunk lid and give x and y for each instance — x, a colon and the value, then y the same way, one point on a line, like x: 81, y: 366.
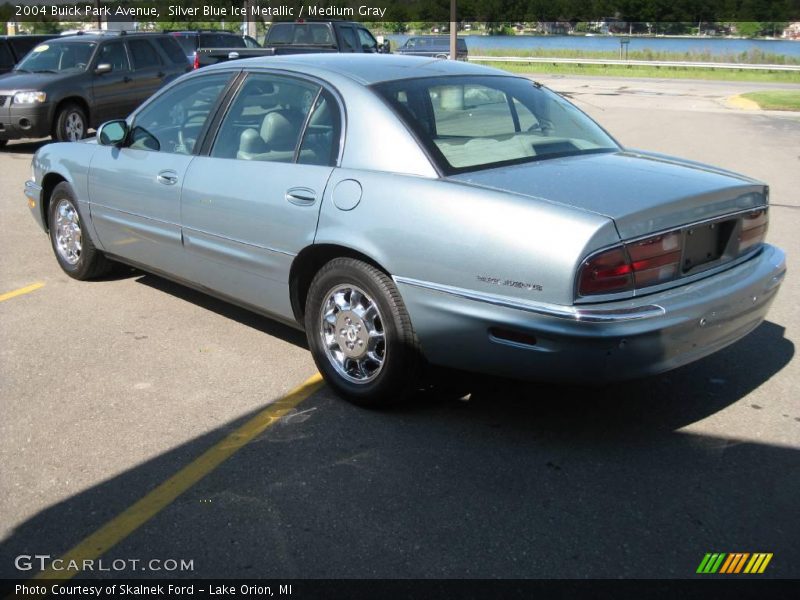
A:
x: 643, y: 193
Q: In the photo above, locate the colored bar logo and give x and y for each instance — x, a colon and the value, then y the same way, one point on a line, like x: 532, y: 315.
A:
x: 733, y: 563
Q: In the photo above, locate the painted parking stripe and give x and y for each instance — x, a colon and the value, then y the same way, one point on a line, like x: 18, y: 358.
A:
x: 24, y: 290
x: 128, y: 521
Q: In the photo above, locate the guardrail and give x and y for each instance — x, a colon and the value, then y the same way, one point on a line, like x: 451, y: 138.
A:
x: 637, y: 63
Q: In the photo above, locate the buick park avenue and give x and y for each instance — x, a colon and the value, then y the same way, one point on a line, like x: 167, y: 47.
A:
x: 409, y: 213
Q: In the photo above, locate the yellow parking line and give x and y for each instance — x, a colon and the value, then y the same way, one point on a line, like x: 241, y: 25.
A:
x: 121, y: 526
x: 25, y: 290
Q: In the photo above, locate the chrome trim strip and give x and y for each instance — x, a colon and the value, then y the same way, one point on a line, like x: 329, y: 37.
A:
x: 551, y: 310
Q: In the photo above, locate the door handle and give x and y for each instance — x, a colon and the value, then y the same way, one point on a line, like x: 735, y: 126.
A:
x: 167, y: 177
x: 301, y: 196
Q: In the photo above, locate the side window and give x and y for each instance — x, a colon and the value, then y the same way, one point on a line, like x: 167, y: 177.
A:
x: 172, y: 49
x: 368, y: 43
x: 266, y: 119
x: 173, y: 121
x: 143, y: 54
x: 320, y: 145
x: 114, y: 54
x: 350, y: 44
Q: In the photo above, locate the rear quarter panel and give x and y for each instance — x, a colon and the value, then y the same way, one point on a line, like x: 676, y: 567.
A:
x: 450, y: 234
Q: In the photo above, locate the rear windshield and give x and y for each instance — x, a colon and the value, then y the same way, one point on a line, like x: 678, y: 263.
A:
x: 221, y: 40
x: 471, y: 123
x: 302, y: 34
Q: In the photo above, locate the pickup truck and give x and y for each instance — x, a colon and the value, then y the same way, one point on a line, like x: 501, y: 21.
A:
x: 301, y: 38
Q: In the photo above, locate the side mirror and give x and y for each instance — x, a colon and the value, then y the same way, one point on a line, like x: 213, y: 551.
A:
x: 103, y: 68
x: 112, y: 133
x: 385, y: 47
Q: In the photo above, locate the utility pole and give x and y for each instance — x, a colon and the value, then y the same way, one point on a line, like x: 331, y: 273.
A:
x: 250, y: 24
x: 453, y: 31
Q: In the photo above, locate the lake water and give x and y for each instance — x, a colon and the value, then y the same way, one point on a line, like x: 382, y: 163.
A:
x: 714, y: 46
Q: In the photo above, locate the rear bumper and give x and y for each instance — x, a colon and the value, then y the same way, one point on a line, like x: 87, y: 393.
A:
x: 608, y: 342
x: 23, y: 121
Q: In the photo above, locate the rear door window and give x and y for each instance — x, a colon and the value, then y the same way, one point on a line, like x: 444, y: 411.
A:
x: 144, y: 55
x: 172, y: 50
x: 114, y: 54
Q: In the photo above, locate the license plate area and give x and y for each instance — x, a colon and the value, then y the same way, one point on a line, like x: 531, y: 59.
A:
x: 705, y: 245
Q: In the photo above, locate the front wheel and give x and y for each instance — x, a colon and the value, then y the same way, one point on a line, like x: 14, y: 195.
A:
x: 73, y: 248
x: 360, y: 334
x: 71, y: 124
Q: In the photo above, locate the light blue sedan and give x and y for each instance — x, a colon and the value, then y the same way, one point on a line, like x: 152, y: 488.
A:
x: 411, y: 213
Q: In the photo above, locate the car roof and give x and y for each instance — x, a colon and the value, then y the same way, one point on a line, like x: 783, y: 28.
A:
x: 368, y: 68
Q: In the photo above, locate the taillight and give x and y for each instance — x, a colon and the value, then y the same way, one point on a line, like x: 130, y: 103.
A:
x: 648, y: 262
x: 606, y: 273
x: 754, y: 230
x: 196, y: 63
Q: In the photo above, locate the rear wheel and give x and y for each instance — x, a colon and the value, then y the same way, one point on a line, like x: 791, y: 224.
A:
x: 360, y: 333
x: 71, y: 124
x: 73, y: 248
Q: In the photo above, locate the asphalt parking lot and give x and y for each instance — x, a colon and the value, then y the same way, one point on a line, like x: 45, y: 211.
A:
x: 111, y: 388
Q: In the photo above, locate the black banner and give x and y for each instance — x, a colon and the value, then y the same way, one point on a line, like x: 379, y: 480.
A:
x: 705, y: 587
x: 493, y: 11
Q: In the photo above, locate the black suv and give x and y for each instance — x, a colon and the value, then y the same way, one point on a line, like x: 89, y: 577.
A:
x: 190, y: 41
x: 67, y: 85
x: 14, y: 47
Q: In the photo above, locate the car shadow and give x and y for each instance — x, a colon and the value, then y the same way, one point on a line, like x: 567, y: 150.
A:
x: 223, y: 308
x: 517, y: 481
x: 24, y: 146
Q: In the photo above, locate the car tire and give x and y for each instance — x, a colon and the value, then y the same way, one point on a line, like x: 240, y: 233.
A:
x: 71, y: 123
x: 360, y: 334
x: 74, y: 250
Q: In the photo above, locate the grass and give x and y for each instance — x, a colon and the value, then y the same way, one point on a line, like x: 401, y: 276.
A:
x: 656, y: 72
x: 775, y: 100
x: 752, y: 57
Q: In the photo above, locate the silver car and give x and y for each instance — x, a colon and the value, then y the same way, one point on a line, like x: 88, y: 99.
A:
x: 409, y: 213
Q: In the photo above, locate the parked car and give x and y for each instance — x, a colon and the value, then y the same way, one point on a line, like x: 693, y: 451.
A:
x: 300, y: 38
x: 190, y: 41
x: 408, y: 212
x: 433, y: 46
x: 68, y: 85
x: 14, y: 47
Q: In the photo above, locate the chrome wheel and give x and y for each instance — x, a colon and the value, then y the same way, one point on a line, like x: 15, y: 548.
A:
x: 68, y: 233
x: 74, y: 127
x: 352, y: 333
